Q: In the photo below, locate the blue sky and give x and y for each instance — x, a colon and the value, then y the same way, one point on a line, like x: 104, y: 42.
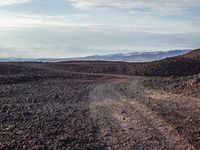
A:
x: 74, y: 28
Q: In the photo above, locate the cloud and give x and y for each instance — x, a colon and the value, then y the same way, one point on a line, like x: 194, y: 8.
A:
x: 83, y: 22
x: 19, y: 20
x: 126, y: 24
x: 12, y: 2
x: 160, y: 6
x: 66, y: 43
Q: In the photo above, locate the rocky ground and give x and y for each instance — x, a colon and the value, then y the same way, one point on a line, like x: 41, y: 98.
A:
x: 186, y: 85
x: 49, y: 114
x: 53, y: 108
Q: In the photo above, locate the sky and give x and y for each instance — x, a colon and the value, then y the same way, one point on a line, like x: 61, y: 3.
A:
x: 76, y: 28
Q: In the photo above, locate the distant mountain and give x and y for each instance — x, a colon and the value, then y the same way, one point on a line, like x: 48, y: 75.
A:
x: 135, y: 56
x: 130, y: 57
x: 11, y: 59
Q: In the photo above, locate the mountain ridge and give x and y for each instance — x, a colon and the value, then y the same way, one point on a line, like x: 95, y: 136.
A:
x: 126, y: 57
x: 135, y: 56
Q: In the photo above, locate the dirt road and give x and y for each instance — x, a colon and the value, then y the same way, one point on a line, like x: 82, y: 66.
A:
x: 128, y: 116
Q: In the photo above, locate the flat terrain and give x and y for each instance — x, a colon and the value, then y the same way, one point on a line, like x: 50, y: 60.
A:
x: 47, y: 107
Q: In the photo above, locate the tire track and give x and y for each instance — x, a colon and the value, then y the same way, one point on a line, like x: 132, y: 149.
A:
x: 129, y: 124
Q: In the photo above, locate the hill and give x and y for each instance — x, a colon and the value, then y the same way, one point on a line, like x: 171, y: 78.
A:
x: 195, y: 54
x: 184, y: 65
x: 187, y: 64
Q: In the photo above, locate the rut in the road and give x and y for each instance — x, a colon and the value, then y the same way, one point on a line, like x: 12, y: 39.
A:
x: 129, y: 124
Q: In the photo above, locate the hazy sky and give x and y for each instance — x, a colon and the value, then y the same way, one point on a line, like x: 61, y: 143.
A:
x: 68, y: 28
